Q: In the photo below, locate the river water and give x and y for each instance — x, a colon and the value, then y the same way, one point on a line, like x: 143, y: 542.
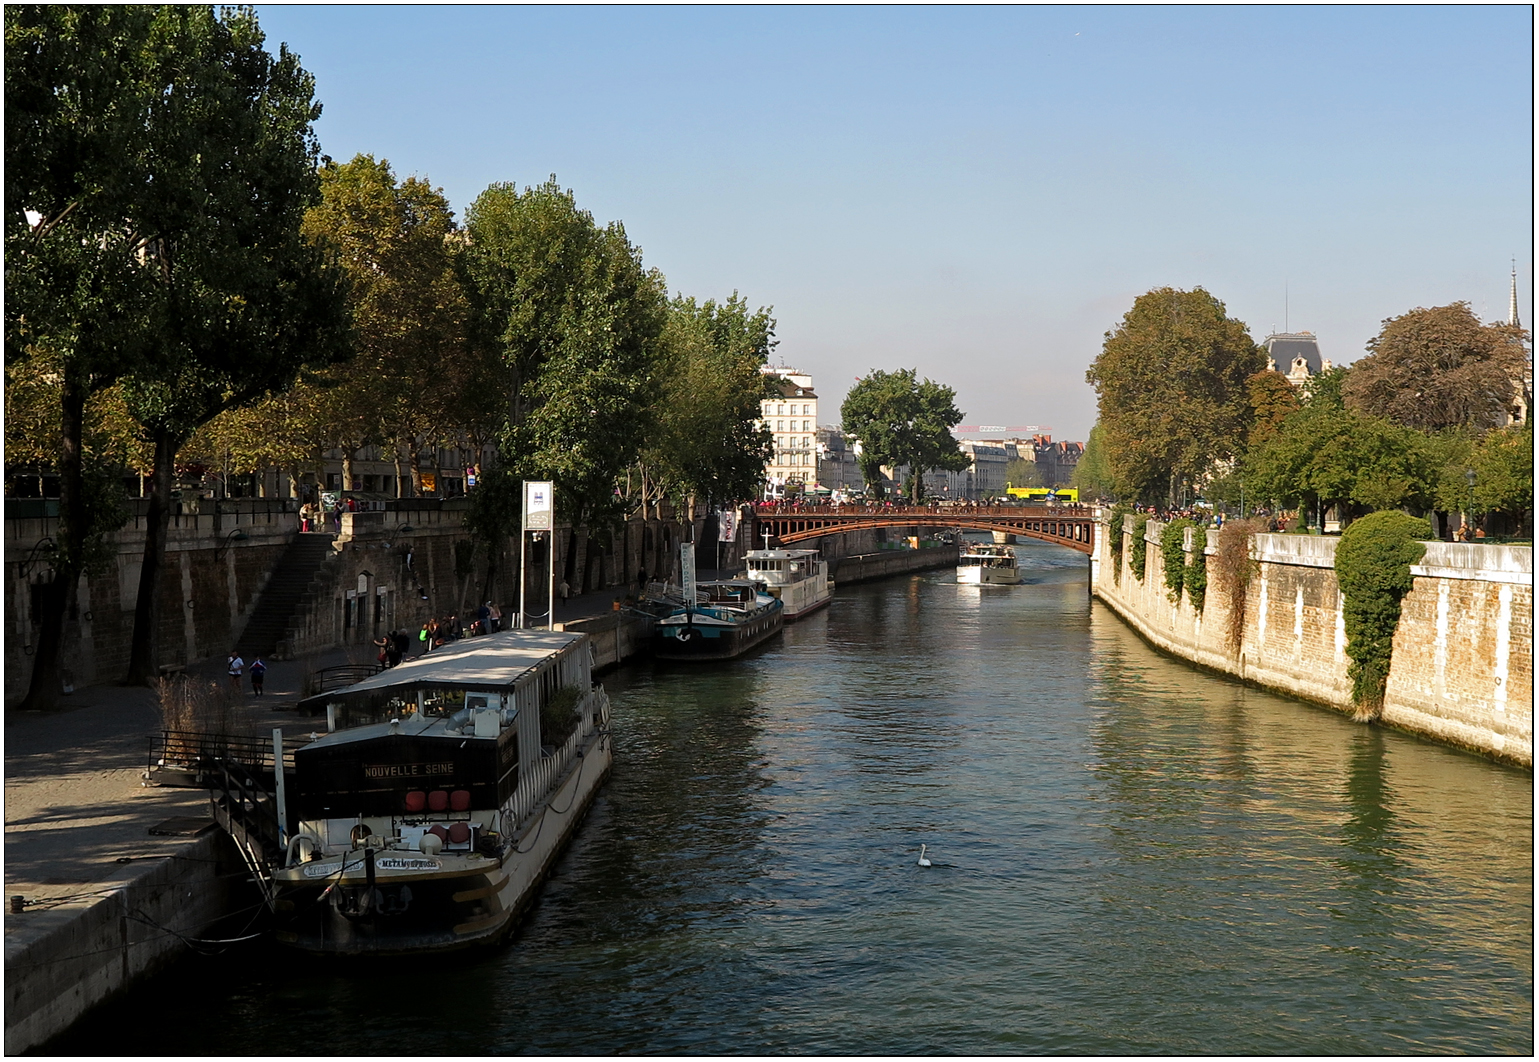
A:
x: 1130, y: 856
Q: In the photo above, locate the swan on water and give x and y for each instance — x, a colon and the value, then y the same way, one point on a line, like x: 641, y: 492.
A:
x: 922, y: 860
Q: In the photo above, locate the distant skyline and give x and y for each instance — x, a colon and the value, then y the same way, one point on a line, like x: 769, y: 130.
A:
x: 980, y: 193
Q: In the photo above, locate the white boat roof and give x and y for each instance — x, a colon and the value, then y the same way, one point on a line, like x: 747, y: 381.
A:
x: 490, y: 660
x: 780, y: 554
x: 432, y: 726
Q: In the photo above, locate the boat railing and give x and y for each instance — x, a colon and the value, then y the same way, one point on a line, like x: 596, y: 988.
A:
x: 595, y: 714
x: 200, y: 754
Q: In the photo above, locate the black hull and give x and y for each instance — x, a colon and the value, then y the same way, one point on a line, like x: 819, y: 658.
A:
x: 731, y: 642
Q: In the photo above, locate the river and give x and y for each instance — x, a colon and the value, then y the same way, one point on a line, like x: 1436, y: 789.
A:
x: 1130, y: 856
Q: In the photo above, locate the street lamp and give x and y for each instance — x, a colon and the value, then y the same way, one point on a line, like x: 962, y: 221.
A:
x: 1469, y: 478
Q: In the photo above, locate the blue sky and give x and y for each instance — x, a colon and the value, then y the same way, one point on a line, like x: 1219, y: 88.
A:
x: 979, y: 192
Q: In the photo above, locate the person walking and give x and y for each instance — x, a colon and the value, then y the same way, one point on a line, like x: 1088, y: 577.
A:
x: 402, y: 645
x: 496, y: 620
x: 566, y: 592
x: 235, y: 665
x: 258, y: 675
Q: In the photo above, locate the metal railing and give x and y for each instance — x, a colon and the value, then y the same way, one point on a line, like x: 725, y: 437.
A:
x: 532, y: 789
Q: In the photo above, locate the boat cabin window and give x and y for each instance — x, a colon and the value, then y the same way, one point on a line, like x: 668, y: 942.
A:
x: 766, y: 565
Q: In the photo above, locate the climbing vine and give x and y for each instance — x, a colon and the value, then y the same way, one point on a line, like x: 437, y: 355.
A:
x: 1197, y: 570
x: 1235, y: 568
x: 1373, y: 570
x: 1140, y: 555
x: 1172, y: 541
x: 1114, y: 538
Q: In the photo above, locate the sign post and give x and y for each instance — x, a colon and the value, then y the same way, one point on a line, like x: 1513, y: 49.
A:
x: 538, y: 515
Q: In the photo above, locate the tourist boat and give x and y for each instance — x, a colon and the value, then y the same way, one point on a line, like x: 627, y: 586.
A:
x: 711, y: 620
x: 984, y: 563
x: 442, y: 794
x: 799, y: 577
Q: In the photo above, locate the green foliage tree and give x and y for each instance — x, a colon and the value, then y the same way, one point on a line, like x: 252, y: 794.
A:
x: 1373, y: 569
x: 76, y: 288
x: 1504, y: 472
x: 1171, y: 381
x: 244, y: 300
x: 418, y: 378
x: 1092, y: 475
x: 576, y: 320
x: 1325, y: 454
x: 1022, y: 473
x: 708, y: 442
x: 1440, y: 368
x: 901, y: 420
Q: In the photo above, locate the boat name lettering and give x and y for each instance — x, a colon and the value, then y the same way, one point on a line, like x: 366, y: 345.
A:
x: 406, y: 770
x: 406, y: 863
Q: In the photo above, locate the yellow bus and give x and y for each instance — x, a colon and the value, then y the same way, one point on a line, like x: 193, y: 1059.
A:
x: 1063, y: 495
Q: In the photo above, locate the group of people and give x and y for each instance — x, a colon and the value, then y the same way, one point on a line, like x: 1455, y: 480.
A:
x: 314, y: 517
x: 436, y: 633
x: 235, y: 666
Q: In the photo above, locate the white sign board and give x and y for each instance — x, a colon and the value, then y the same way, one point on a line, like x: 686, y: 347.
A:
x: 539, y: 505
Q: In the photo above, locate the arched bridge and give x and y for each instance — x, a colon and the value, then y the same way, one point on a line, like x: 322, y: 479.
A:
x: 1065, y: 525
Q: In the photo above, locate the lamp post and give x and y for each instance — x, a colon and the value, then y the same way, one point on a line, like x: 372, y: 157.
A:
x: 1469, y: 478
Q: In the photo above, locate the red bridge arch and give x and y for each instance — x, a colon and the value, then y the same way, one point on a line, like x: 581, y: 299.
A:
x: 1064, y: 525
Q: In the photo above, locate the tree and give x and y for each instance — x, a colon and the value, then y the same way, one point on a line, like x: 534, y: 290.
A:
x: 1272, y: 398
x: 1092, y: 476
x: 708, y: 442
x: 901, y: 420
x: 576, y: 320
x: 1171, y: 380
x: 417, y: 369
x: 243, y: 299
x: 1022, y: 473
x: 76, y: 94
x: 1326, y: 455
x: 1441, y: 368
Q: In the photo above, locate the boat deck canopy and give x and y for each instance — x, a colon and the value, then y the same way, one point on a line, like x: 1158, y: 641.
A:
x: 492, y: 661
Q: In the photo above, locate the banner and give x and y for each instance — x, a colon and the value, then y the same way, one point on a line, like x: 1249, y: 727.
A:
x: 727, y: 525
x: 539, y: 505
x: 687, y: 572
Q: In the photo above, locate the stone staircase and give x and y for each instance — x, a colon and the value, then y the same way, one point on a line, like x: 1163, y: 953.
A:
x: 274, y: 611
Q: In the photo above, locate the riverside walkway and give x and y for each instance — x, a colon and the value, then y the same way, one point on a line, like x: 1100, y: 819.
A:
x: 96, y: 883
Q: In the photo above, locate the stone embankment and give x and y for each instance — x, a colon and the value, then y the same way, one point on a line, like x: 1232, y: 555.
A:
x: 863, y: 567
x: 1462, y: 669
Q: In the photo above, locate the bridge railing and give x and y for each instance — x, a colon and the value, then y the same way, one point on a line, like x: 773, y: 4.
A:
x: 946, y: 509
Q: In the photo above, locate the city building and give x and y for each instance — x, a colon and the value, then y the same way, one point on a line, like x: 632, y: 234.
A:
x: 838, y: 461
x: 791, y: 415
x: 1296, y: 355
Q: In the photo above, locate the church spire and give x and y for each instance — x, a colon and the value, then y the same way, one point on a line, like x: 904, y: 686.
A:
x: 1512, y: 307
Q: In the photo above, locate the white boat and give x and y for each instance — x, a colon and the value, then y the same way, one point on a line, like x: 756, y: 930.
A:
x: 427, y: 819
x: 799, y: 577
x: 983, y: 563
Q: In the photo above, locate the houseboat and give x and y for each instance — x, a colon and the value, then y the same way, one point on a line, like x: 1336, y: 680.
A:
x: 710, y: 620
x: 428, y: 815
x: 986, y: 564
x: 799, y: 577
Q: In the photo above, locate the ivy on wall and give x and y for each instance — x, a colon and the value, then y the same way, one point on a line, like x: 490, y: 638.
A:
x: 1197, y: 570
x: 1235, y: 568
x: 1172, y: 541
x: 1139, y: 558
x: 1114, y: 537
x: 1373, y: 570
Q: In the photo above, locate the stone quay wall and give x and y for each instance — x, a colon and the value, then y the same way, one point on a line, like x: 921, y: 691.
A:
x: 387, y: 569
x: 1462, y: 666
x: 86, y: 957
